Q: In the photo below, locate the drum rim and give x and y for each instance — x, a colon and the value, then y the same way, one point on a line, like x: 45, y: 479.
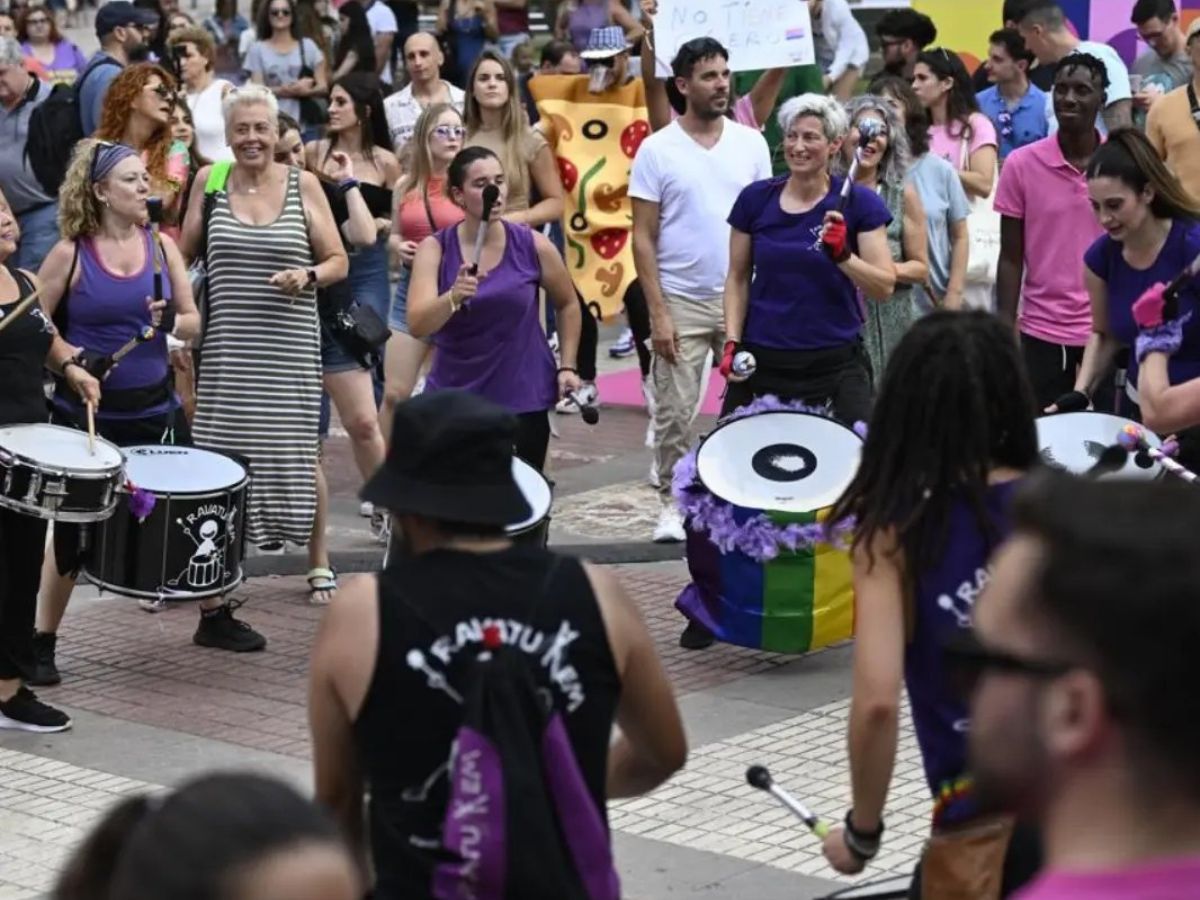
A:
x: 187, y: 448
x: 18, y: 455
x: 218, y: 591
x: 99, y: 474
x: 240, y: 487
x: 70, y: 517
x: 770, y: 412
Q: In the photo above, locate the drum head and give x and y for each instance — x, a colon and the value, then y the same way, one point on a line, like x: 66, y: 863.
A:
x: 791, y: 462
x: 1074, y: 442
x: 164, y: 469
x: 536, y: 489
x: 58, y: 447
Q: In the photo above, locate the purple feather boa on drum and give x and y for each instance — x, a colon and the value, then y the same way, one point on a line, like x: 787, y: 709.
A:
x: 758, y: 537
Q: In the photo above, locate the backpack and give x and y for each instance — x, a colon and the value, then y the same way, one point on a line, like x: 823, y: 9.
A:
x: 55, y: 127
x: 520, y: 822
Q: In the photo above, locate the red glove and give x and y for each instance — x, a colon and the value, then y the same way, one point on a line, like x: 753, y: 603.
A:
x: 833, y: 239
x: 726, y: 367
x: 1148, y: 308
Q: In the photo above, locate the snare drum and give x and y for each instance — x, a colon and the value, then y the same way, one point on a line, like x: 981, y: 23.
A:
x: 48, y: 471
x: 534, y: 530
x: 191, y: 544
x: 788, y: 467
x: 1074, y: 442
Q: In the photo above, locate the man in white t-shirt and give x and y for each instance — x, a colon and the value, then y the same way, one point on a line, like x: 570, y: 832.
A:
x: 684, y: 182
x: 423, y: 60
x: 1044, y: 29
x: 383, y: 30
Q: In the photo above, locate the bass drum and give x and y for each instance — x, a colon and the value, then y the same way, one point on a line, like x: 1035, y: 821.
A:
x: 1074, y: 442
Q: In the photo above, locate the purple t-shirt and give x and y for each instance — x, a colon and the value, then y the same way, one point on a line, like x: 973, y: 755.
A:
x: 1126, y: 284
x: 494, y: 346
x: 1171, y: 879
x: 945, y: 596
x: 799, y: 298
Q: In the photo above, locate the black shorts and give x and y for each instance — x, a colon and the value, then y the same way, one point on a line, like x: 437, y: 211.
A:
x: 71, y: 540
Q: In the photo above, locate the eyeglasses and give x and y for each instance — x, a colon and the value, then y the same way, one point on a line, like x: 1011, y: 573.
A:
x: 968, y: 659
x: 1005, y: 121
x: 42, y: 20
x: 450, y: 132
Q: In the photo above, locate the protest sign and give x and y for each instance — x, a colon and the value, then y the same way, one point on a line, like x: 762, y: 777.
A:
x: 759, y: 34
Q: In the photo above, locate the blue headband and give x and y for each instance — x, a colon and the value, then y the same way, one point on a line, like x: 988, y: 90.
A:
x: 107, y: 157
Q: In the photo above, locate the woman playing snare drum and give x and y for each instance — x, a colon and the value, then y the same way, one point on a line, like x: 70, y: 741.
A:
x: 930, y: 501
x: 28, y: 342
x: 796, y: 266
x: 100, y: 286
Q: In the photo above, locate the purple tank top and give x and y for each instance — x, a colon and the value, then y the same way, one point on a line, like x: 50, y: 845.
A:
x: 945, y: 596
x: 104, y: 310
x: 494, y: 345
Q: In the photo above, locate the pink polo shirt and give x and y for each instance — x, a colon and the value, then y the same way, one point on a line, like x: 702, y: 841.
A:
x: 1038, y: 185
x: 1172, y: 879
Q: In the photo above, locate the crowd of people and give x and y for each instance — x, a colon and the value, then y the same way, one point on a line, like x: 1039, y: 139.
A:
x: 320, y: 208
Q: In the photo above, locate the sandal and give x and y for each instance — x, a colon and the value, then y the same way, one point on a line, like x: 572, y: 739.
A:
x: 322, y: 585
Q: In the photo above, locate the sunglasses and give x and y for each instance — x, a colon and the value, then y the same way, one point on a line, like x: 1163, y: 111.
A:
x: 1005, y: 121
x: 100, y: 145
x: 450, y: 132
x: 281, y: 14
x: 969, y: 659
x: 162, y: 90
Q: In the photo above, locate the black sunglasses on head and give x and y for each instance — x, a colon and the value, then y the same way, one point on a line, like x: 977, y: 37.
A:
x: 968, y: 659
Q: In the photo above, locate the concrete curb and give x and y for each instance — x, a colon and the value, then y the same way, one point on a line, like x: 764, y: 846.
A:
x: 348, y: 561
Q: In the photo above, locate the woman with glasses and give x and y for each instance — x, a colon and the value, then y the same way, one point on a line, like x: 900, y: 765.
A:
x: 291, y: 66
x: 423, y: 207
x: 195, y: 56
x: 797, y: 269
x: 99, y: 285
x: 346, y: 379
x: 137, y: 113
x: 60, y: 59
x: 483, y: 320
x: 883, y: 165
x: 930, y: 501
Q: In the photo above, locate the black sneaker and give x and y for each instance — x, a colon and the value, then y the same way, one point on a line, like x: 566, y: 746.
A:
x: 696, y: 637
x: 25, y: 712
x: 45, y: 672
x: 218, y: 628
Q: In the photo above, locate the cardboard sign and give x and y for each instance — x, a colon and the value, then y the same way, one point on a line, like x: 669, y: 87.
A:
x: 759, y: 34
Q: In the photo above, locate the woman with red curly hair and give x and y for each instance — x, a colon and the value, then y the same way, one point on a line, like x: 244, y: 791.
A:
x: 137, y: 113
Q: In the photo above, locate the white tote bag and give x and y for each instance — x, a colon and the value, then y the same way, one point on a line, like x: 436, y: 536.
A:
x: 983, y: 231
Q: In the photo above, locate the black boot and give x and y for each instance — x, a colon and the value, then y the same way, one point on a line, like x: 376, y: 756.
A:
x: 696, y: 636
x: 218, y: 628
x: 45, y: 672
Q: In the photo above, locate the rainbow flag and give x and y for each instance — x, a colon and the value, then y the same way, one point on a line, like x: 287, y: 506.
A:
x: 797, y: 602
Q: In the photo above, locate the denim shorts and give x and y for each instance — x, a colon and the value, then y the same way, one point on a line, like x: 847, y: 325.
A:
x: 333, y: 357
x: 398, y: 315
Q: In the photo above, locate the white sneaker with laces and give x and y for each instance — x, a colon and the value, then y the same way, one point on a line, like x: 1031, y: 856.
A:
x: 588, y: 396
x: 669, y: 529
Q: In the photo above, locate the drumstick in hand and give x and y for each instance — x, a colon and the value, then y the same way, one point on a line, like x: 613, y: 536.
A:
x: 91, y: 420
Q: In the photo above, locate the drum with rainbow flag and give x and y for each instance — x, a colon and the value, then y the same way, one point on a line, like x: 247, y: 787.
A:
x: 767, y: 571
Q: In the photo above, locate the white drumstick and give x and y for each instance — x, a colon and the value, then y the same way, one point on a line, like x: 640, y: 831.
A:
x: 1133, y: 437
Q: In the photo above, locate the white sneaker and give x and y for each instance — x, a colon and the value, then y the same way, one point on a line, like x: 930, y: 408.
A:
x: 587, y: 394
x: 366, y: 509
x: 669, y: 529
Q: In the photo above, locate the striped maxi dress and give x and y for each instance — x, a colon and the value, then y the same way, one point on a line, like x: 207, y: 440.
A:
x: 259, y: 393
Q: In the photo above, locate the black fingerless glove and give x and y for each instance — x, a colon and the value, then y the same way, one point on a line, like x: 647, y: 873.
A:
x: 1072, y: 401
x: 95, y: 364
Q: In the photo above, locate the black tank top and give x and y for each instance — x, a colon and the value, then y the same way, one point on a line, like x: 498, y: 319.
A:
x: 406, y: 726
x: 24, y: 344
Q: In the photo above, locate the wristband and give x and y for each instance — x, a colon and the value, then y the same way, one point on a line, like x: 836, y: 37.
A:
x: 348, y: 185
x: 863, y: 845
x: 570, y: 369
x: 167, y: 324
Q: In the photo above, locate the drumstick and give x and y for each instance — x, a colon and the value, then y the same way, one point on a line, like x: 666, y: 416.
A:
x: 1171, y: 293
x: 146, y: 334
x: 91, y: 422
x: 1133, y: 437
x: 491, y: 196
x: 759, y: 777
x: 20, y: 308
x: 868, y: 130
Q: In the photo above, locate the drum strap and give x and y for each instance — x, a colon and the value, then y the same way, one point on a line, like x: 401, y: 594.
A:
x: 130, y: 399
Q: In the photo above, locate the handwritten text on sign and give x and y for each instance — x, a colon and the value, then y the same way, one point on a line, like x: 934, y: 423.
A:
x: 759, y: 34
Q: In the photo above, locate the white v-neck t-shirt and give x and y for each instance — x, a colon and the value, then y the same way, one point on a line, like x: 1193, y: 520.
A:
x: 695, y: 189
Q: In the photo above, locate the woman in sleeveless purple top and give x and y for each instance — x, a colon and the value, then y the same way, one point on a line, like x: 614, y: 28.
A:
x: 485, y: 327
x: 951, y: 434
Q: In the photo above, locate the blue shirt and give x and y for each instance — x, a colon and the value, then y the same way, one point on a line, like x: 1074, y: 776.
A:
x: 944, y: 599
x: 1125, y: 284
x: 799, y: 298
x: 99, y: 74
x: 1020, y: 126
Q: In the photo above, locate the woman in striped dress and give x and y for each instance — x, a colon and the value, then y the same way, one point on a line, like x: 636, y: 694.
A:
x: 271, y: 241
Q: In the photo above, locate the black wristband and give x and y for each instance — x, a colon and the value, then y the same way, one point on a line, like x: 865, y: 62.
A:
x: 570, y: 369
x: 863, y: 844
x: 167, y: 325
